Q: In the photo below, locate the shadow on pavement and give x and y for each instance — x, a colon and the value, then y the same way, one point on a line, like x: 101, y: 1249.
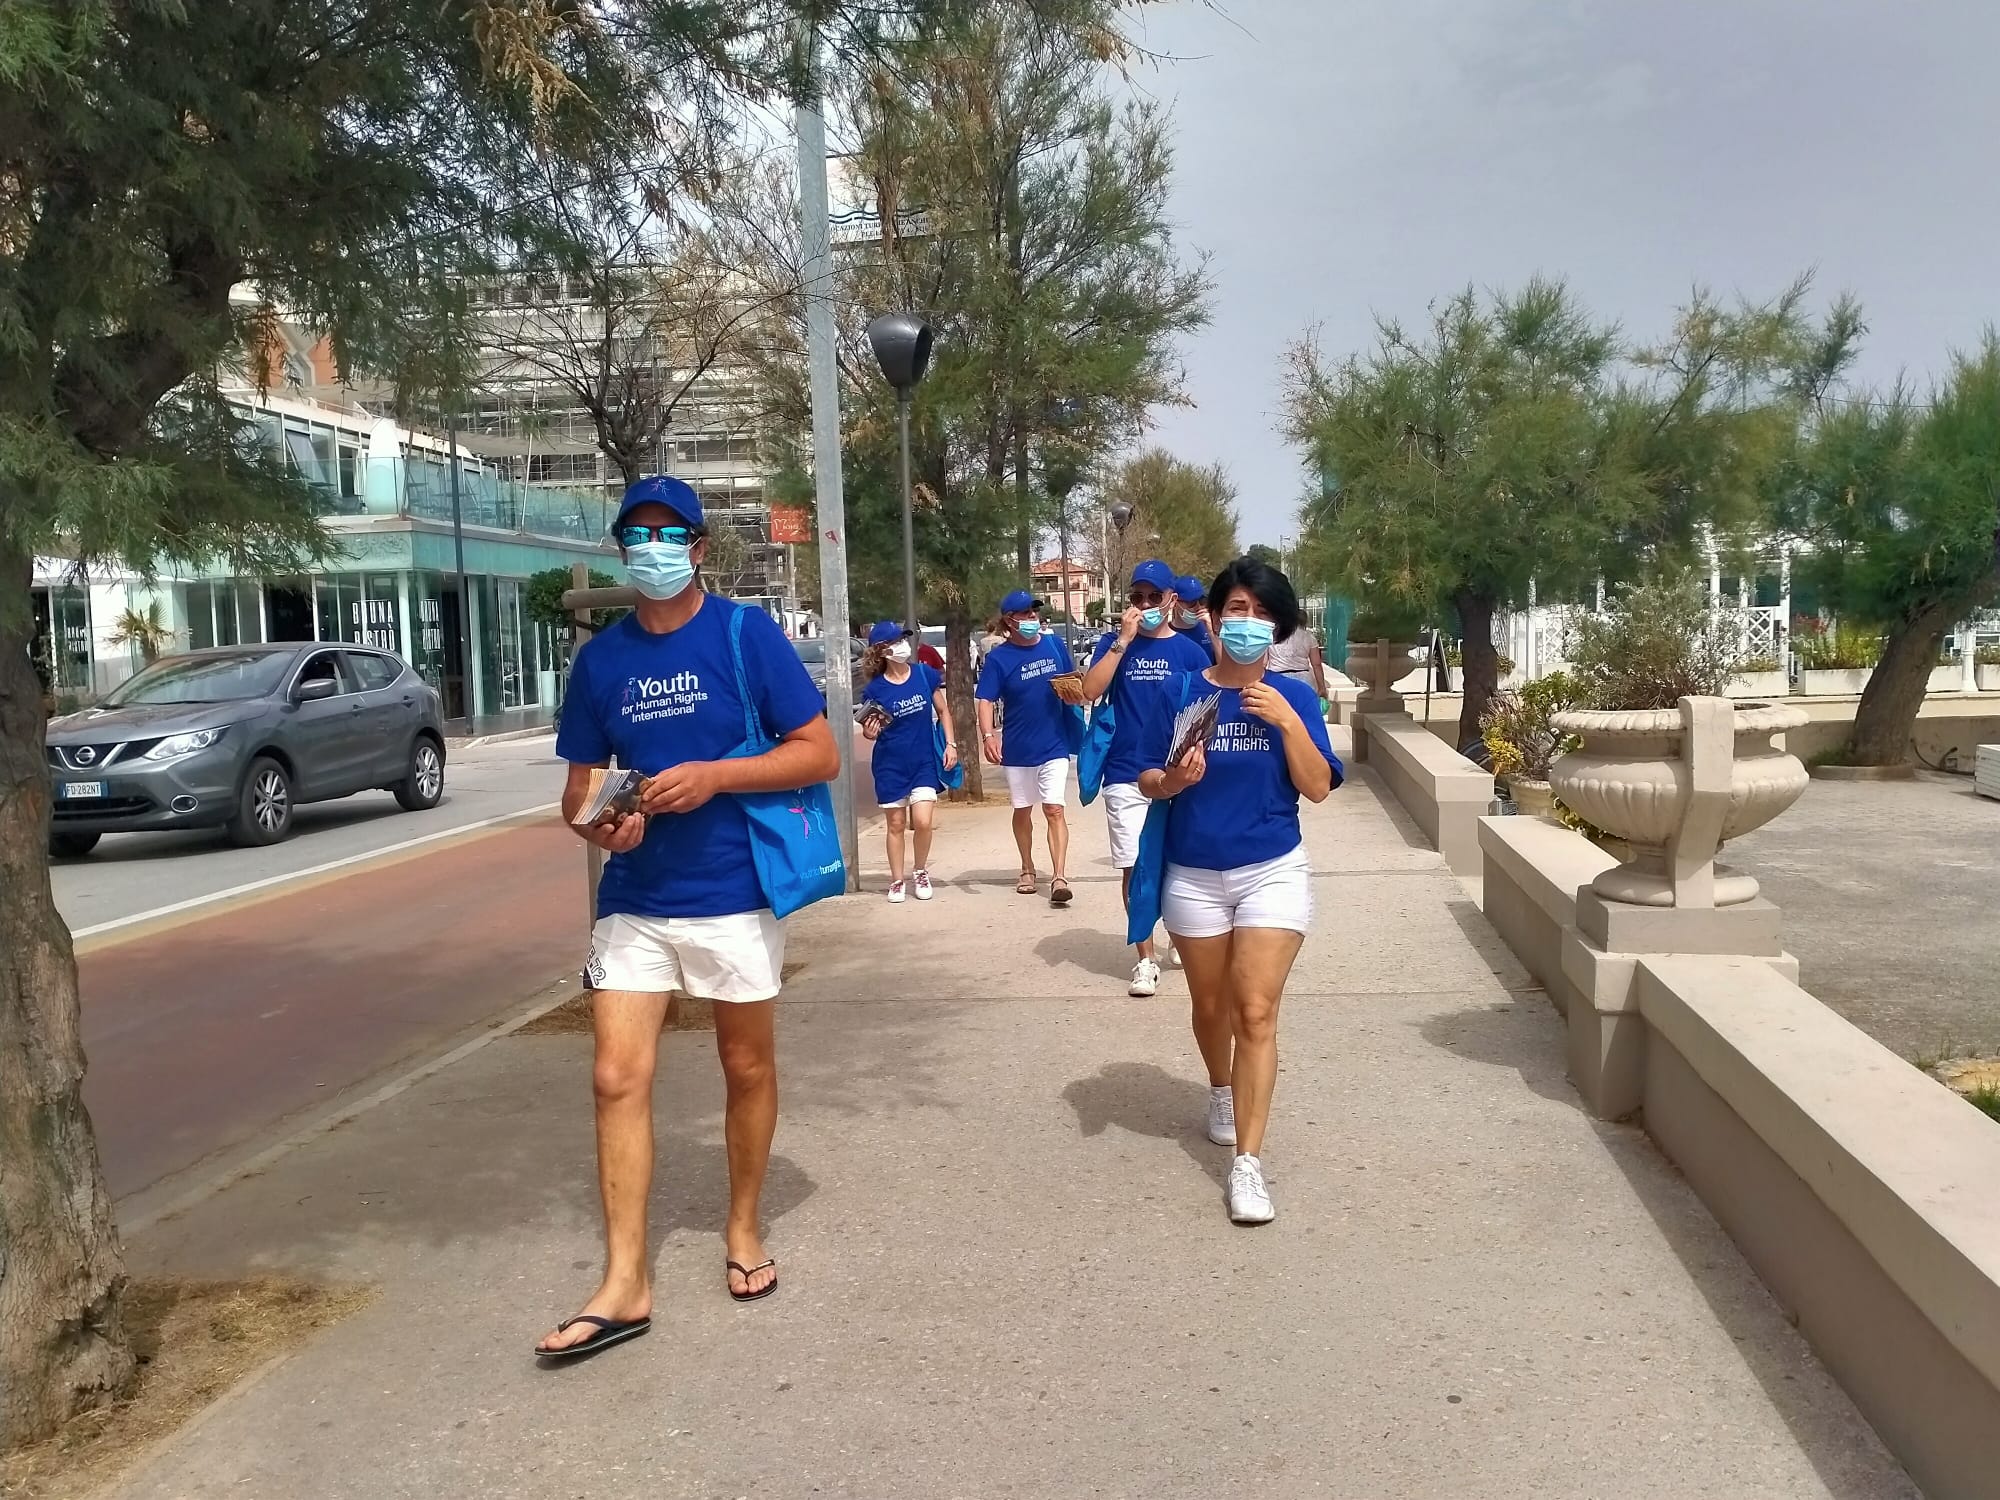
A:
x: 1103, y: 953
x: 1147, y: 1100
x: 1515, y: 1035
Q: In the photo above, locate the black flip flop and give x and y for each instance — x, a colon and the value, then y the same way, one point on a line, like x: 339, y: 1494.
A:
x: 1060, y: 893
x: 746, y: 1272
x: 609, y: 1332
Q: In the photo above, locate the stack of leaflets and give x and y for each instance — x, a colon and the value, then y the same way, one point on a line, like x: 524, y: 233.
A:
x: 612, y: 795
x: 874, y: 713
x: 1193, y: 725
x: 1063, y: 680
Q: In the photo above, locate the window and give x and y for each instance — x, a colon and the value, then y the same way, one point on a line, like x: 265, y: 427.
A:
x: 371, y: 671
x: 562, y: 468
x: 350, y: 472
x: 323, y: 666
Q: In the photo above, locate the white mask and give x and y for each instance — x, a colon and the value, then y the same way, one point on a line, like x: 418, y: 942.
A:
x: 900, y: 651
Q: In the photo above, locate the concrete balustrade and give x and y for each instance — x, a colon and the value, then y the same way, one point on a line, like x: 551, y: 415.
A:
x: 1441, y: 789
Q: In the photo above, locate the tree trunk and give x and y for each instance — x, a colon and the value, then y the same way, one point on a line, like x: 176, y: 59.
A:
x: 62, y: 1341
x: 959, y: 683
x: 1480, y: 661
x: 1895, y: 691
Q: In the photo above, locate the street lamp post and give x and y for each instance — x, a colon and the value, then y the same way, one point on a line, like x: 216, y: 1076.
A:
x: 902, y: 345
x: 1121, y: 517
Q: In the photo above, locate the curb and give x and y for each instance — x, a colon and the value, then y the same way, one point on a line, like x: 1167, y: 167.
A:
x: 499, y: 739
x: 1904, y: 772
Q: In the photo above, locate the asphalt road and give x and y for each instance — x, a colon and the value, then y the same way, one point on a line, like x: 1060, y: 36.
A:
x: 134, y: 873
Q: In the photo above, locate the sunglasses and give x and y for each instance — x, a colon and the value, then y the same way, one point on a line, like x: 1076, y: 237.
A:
x: 1147, y: 598
x: 638, y: 536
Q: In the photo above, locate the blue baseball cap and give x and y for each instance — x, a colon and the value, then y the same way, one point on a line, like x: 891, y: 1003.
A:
x: 1190, y: 588
x: 883, y: 632
x: 661, y: 489
x: 1020, y: 602
x: 1155, y: 573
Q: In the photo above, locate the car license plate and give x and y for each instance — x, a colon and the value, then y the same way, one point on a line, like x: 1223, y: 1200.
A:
x: 72, y: 789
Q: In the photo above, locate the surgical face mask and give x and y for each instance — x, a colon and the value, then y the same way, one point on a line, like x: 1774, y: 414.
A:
x: 1187, y: 618
x: 1152, y: 619
x: 1246, y: 639
x: 659, y: 570
x: 1029, y: 628
x: 900, y: 651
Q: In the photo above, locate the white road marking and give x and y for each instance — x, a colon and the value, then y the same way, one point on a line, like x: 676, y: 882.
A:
x: 291, y: 875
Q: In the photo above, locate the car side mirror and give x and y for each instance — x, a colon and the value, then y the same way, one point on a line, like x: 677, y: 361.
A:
x: 313, y: 691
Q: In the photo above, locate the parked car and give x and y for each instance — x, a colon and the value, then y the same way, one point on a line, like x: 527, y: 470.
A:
x: 812, y: 652
x: 236, y: 737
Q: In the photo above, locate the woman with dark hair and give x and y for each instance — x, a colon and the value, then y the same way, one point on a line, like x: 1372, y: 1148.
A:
x: 901, y: 703
x: 1236, y: 894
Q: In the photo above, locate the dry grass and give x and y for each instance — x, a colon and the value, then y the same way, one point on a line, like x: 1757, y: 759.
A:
x: 194, y: 1339
x: 572, y: 1017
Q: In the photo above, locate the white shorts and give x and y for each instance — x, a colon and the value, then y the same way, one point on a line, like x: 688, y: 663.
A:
x: 1207, y: 903
x: 736, y: 958
x: 1046, y: 783
x: 917, y: 794
x: 1125, y: 808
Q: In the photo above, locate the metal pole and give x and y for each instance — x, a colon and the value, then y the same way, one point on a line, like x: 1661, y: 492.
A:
x: 1068, y: 576
x: 815, y: 236
x: 464, y: 596
x: 909, y: 524
x: 579, y: 632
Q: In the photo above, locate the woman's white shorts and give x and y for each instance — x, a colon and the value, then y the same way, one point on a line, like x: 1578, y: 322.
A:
x: 917, y: 794
x: 1125, y: 812
x: 1207, y: 903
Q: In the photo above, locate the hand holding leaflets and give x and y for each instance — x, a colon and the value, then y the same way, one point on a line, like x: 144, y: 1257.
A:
x: 1068, y: 686
x: 610, y: 816
x: 1187, y: 759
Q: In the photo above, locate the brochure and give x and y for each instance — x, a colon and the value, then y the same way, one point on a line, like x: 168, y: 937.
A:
x: 612, y: 793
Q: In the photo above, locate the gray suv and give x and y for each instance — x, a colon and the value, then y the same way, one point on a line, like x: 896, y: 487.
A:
x: 237, y: 736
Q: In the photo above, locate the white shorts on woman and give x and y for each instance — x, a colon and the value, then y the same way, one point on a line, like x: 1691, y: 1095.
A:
x: 1277, y: 892
x: 1044, y: 784
x: 1125, y: 814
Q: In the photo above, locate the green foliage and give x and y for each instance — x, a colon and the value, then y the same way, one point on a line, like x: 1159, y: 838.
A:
x: 144, y: 629
x: 1839, y: 646
x: 541, y: 598
x: 1389, y: 619
x: 1987, y: 656
x: 1984, y: 1097
x: 1519, y: 727
x: 1269, y: 556
x: 1658, y: 644
x: 1191, y: 509
x: 1093, y: 613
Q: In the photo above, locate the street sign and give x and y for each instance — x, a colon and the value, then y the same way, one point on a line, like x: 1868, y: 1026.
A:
x: 791, y: 524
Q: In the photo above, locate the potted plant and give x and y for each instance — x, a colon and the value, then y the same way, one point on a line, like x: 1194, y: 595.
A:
x: 1986, y: 666
x: 1521, y: 737
x: 1760, y: 677
x: 1400, y: 626
x: 1626, y: 776
x: 1948, y: 676
x: 144, y: 629
x: 1834, y: 659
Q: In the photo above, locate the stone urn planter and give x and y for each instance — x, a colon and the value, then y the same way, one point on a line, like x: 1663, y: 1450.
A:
x: 1632, y: 776
x: 1535, y: 799
x: 1379, y: 665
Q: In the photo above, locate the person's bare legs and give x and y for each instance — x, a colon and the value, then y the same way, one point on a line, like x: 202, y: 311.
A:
x: 1024, y: 837
x: 746, y: 1041
x: 1058, y: 838
x: 1144, y: 945
x: 1260, y: 962
x: 896, y: 823
x: 923, y: 814
x: 628, y: 1041
x: 1206, y: 962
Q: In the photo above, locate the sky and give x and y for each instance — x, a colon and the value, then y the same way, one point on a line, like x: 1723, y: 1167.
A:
x: 1339, y: 159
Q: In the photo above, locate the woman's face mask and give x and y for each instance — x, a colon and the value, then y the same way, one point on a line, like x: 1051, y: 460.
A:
x: 1246, y: 638
x: 900, y: 651
x: 1030, y: 627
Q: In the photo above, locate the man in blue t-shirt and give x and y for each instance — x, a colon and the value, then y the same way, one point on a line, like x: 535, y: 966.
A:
x: 1031, y: 742
x: 1191, y: 613
x: 1142, y: 661
x: 679, y: 907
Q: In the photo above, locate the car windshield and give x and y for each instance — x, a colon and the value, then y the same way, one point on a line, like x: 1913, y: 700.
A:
x: 220, y: 677
x: 811, y: 652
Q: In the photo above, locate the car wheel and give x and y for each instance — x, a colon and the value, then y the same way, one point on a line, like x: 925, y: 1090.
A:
x: 72, y: 845
x: 264, y: 808
x: 424, y: 786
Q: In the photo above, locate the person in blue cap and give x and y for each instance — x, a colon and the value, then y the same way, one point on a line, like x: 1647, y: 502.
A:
x: 679, y: 906
x: 1142, y: 661
x: 1030, y: 743
x: 909, y: 699
x: 1191, y: 613
x: 1236, y: 889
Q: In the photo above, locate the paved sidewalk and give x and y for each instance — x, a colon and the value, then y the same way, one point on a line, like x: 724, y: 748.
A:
x: 1006, y: 1269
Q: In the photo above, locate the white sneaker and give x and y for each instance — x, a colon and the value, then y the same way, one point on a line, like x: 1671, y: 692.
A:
x: 1222, y: 1116
x: 1145, y: 978
x: 1249, y: 1200
x: 923, y: 884
x: 1173, y: 956
x: 895, y: 893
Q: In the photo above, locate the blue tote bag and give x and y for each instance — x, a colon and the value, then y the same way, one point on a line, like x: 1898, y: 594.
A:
x: 793, y: 839
x: 954, y: 779
x: 1149, y: 869
x: 1096, y: 750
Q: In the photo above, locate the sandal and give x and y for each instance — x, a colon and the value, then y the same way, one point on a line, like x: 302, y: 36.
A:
x: 609, y: 1332
x: 746, y: 1272
x: 1025, y: 886
x: 1059, y: 892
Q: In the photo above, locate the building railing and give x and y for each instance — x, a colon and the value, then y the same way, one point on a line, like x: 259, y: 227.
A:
x: 422, y: 490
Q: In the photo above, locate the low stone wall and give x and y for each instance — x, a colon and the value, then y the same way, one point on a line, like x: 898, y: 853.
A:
x: 1441, y: 789
x: 1861, y: 1190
